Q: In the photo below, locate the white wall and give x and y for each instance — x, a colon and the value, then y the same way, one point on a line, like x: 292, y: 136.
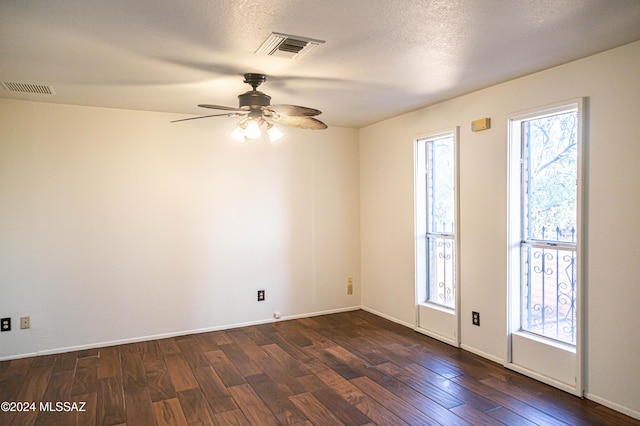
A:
x: 612, y: 82
x: 117, y: 225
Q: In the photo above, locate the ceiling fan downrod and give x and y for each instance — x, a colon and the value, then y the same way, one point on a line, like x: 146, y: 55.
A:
x: 255, y: 80
x: 254, y: 100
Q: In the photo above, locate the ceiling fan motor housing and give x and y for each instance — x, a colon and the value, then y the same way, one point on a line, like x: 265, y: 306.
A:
x: 254, y: 99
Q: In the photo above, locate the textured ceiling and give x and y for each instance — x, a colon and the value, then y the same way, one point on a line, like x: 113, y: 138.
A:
x: 380, y: 59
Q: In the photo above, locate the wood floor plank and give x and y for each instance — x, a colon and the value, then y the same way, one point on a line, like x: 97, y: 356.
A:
x: 133, y: 375
x: 85, y: 379
x: 168, y: 346
x: 345, y: 370
x: 508, y: 417
x: 314, y: 410
x: 408, y: 394
x: 83, y: 410
x: 44, y: 360
x: 253, y: 408
x: 452, y: 388
x: 139, y: 407
x: 257, y: 336
x: 552, y: 409
x: 228, y: 373
x: 31, y: 392
x: 474, y: 416
x: 214, y: 390
x: 284, y: 410
x: 415, y: 380
x: 110, y: 401
x: 109, y: 363
x: 507, y: 401
x: 351, y: 368
x: 158, y: 380
x: 12, y: 378
x: 232, y: 418
x: 400, y: 408
x: 241, y: 361
x: 221, y: 338
x: 341, y: 408
x: 181, y: 375
x: 65, y: 362
x: 191, y: 352
x: 292, y: 366
x: 195, y: 408
x: 205, y: 342
x: 58, y: 389
x: 169, y: 413
x: 149, y: 351
x: 292, y: 343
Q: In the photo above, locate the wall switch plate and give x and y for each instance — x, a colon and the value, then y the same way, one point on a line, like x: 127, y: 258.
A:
x: 25, y: 322
x: 475, y: 318
x: 350, y: 285
x: 260, y: 295
x: 5, y: 324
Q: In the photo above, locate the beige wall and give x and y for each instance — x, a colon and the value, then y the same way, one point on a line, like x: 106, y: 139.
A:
x: 612, y: 83
x: 117, y: 225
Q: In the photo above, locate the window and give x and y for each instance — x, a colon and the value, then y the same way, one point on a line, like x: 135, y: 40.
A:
x: 440, y: 217
x: 548, y: 217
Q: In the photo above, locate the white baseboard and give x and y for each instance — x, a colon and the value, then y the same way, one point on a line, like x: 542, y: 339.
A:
x: 318, y: 313
x: 622, y: 409
x: 544, y: 379
x: 390, y: 318
x: 437, y: 336
x: 482, y: 354
x: 175, y: 334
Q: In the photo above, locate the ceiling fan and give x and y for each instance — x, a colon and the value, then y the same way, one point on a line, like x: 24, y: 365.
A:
x: 256, y: 109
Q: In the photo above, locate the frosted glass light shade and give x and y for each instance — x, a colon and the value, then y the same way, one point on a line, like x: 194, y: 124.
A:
x: 252, y: 131
x: 238, y: 133
x: 274, y: 133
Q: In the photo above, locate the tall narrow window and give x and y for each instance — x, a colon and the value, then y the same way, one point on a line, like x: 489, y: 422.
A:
x: 548, y: 221
x: 440, y: 206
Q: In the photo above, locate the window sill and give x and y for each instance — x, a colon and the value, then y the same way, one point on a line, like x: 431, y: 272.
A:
x: 546, y: 341
x: 440, y: 308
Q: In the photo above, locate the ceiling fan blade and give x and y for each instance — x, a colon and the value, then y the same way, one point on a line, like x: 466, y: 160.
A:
x: 302, y: 122
x: 293, y: 110
x: 230, y: 114
x: 221, y: 107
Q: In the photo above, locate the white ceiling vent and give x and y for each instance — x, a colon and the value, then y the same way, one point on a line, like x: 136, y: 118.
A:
x: 38, y: 89
x: 287, y: 46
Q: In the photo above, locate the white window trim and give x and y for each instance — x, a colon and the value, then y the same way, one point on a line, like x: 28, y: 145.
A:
x: 420, y: 227
x: 513, y: 252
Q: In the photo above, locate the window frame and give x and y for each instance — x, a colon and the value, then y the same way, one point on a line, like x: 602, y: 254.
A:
x: 422, y: 217
x: 515, y: 233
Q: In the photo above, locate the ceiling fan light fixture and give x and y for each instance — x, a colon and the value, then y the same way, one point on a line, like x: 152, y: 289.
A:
x: 274, y: 133
x: 238, y: 134
x: 252, y: 130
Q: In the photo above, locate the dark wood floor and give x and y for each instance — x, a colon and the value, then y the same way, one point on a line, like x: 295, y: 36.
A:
x: 351, y: 368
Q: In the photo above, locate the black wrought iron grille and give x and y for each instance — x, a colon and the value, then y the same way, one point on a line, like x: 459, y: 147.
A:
x: 549, y: 287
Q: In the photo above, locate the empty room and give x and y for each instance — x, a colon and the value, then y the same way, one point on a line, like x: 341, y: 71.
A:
x: 319, y: 212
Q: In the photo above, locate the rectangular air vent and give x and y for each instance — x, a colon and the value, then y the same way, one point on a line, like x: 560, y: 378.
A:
x: 288, y: 46
x: 38, y: 89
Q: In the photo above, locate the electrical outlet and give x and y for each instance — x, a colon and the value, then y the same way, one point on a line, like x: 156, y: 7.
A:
x: 5, y: 324
x: 260, y: 295
x: 475, y: 318
x: 25, y: 322
x: 350, y: 285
